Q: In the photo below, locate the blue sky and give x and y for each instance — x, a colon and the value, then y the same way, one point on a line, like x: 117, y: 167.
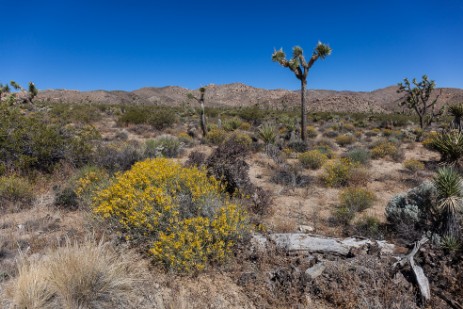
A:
x: 127, y: 45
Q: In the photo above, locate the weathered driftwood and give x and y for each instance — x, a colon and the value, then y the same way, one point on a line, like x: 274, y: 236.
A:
x: 299, y: 242
x: 421, y: 279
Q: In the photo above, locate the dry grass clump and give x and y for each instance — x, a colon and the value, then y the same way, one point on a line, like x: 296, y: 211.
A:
x: 90, y: 275
x: 15, y: 190
x: 337, y: 173
x: 345, y: 139
x: 413, y: 165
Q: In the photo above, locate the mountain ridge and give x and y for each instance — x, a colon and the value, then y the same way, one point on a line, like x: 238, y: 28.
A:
x: 238, y: 94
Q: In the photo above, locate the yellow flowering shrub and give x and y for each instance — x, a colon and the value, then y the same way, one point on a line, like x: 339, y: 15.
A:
x: 383, y: 149
x: 337, y: 173
x: 312, y: 159
x: 179, y: 210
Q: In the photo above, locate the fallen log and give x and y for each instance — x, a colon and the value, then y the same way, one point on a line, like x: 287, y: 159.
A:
x: 304, y: 243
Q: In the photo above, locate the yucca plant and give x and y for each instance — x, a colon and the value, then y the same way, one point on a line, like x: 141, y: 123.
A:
x: 449, y: 199
x: 267, y: 132
x: 449, y: 145
x: 456, y: 111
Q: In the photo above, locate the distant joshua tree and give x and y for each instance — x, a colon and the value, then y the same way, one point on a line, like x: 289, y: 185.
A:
x: 25, y: 96
x: 4, y: 89
x: 418, y: 98
x: 202, y: 92
x: 300, y: 67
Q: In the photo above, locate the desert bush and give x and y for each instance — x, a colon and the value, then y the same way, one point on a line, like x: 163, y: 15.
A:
x: 383, y: 148
x: 268, y: 133
x: 297, y: 145
x: 369, y: 226
x: 330, y: 133
x: 241, y: 138
x: 158, y: 117
x: 345, y: 139
x: 232, y: 124
x: 30, y: 141
x: 196, y: 158
x: 162, y: 118
x: 356, y: 198
x: 359, y: 155
x: 117, y: 157
x: 428, y: 139
x: 413, y: 165
x: 179, y: 210
x: 67, y: 198
x: 289, y: 175
x: 311, y: 132
x: 87, y: 181
x: 165, y: 145
x: 359, y: 176
x: 336, y: 173
x: 91, y: 275
x: 411, y: 213
x: 15, y: 189
x: 252, y: 114
x: 216, y: 136
x: 186, y: 139
x: 449, y: 145
x: 312, y: 159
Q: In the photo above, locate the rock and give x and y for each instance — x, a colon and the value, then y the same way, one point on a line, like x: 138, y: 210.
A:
x: 306, y: 229
x: 314, y: 271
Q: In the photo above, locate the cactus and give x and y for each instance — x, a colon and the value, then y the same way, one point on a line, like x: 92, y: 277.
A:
x: 300, y: 67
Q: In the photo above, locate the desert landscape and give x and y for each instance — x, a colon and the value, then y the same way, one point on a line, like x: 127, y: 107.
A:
x: 326, y: 223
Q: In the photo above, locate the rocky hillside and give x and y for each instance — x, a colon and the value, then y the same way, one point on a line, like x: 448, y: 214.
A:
x: 237, y: 94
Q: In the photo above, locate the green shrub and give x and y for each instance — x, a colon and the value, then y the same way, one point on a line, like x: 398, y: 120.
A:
x: 117, y: 157
x: 369, y: 226
x: 216, y: 136
x: 165, y: 145
x: 179, y: 212
x: 29, y: 141
x: 337, y: 173
x: 351, y: 201
x: 15, y: 189
x: 345, y: 139
x: 359, y: 155
x: 251, y: 114
x: 312, y: 132
x: 159, y: 117
x: 313, y: 159
x: 67, y: 198
x: 383, y: 148
x: 232, y: 124
x: 357, y: 199
x: 413, y: 165
x: 241, y: 138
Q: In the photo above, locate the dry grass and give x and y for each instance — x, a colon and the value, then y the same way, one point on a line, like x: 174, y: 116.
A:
x: 89, y: 275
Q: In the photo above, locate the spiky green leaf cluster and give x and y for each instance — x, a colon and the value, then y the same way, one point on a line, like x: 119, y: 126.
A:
x: 322, y: 50
x: 278, y: 56
x: 448, y: 184
x: 456, y: 110
x: 449, y: 145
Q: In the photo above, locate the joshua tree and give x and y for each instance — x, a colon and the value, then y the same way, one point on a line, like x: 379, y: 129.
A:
x: 418, y: 98
x: 27, y: 96
x: 202, y: 92
x: 300, y: 67
x: 457, y: 112
x: 4, y: 89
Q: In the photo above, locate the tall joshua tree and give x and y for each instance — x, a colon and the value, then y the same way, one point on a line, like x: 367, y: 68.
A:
x: 26, y: 96
x: 202, y: 92
x: 300, y: 67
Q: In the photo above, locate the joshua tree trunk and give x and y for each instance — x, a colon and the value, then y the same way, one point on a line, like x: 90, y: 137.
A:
x: 203, y: 115
x: 303, y: 109
x: 457, y: 123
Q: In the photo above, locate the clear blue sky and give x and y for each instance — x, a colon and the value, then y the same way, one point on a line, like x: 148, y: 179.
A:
x: 126, y: 45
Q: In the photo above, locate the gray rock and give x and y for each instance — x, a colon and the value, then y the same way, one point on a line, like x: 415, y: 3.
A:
x: 315, y: 271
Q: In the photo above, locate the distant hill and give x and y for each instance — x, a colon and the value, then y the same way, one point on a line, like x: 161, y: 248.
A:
x: 237, y: 94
